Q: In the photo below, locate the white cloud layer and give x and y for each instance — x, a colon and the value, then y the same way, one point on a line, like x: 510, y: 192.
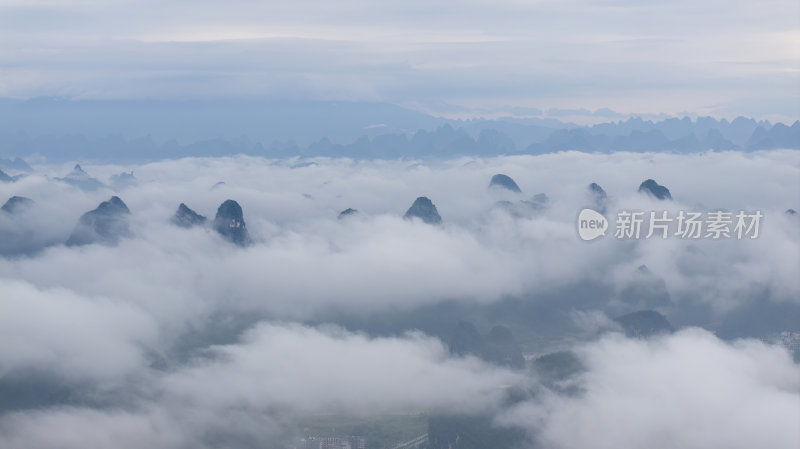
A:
x: 305, y: 260
x: 688, y: 390
x: 175, y: 338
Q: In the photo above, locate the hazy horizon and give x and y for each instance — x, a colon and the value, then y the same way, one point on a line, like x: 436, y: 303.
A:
x: 454, y: 59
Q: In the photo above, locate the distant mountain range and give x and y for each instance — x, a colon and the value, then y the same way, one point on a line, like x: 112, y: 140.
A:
x: 134, y: 131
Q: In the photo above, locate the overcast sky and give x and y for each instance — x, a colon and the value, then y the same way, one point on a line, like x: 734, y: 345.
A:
x: 698, y: 57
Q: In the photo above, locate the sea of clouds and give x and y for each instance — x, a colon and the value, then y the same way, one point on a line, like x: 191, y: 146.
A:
x: 129, y: 334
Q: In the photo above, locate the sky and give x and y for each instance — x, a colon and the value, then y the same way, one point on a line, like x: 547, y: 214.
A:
x: 464, y: 58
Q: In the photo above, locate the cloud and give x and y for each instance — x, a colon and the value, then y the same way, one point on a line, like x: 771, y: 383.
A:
x: 632, y: 57
x: 305, y: 261
x: 686, y: 390
x: 249, y: 392
x: 300, y: 369
x: 75, y: 336
x: 70, y: 428
x: 176, y: 338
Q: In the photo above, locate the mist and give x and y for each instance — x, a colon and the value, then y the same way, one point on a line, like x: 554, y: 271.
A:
x: 175, y: 337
